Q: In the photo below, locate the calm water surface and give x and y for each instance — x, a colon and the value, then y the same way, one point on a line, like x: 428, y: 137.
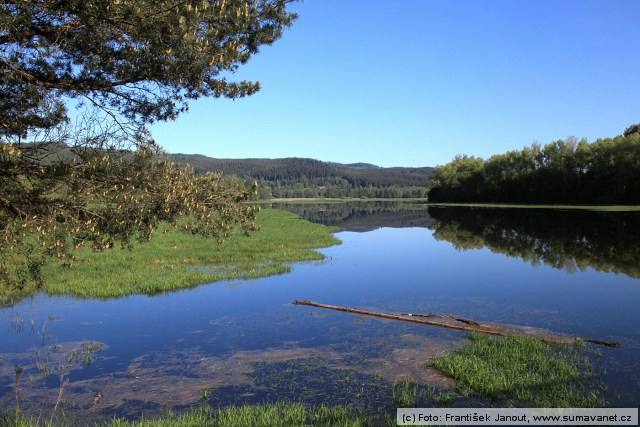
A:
x: 244, y: 342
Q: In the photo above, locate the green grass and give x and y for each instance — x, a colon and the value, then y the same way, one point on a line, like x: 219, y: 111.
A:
x: 264, y: 415
x: 523, y: 371
x: 602, y: 208
x: 174, y: 260
x: 405, y: 393
x: 408, y: 394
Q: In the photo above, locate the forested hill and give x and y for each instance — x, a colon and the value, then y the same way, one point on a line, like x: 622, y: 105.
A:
x: 299, y: 177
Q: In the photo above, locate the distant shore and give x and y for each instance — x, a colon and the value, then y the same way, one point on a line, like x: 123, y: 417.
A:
x: 607, y: 208
x: 337, y: 200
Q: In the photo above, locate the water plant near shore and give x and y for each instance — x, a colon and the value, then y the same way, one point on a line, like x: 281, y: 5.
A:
x: 405, y: 393
x: 523, y: 371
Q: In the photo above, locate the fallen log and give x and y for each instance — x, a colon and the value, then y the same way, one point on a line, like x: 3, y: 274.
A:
x: 469, y: 325
x: 443, y: 316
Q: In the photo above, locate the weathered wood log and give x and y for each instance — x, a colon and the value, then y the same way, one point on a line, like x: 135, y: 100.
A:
x: 469, y: 325
x: 443, y: 316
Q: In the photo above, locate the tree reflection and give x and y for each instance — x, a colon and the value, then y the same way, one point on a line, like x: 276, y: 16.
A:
x: 563, y: 239
x: 362, y: 216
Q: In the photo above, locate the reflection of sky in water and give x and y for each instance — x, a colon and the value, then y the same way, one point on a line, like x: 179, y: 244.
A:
x: 389, y: 269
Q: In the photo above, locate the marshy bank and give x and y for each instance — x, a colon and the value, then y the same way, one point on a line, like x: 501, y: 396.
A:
x: 174, y: 260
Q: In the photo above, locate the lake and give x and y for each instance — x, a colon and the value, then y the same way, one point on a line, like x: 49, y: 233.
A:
x: 570, y: 272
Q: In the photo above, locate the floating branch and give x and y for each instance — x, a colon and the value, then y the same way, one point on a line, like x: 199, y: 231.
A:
x: 468, y: 325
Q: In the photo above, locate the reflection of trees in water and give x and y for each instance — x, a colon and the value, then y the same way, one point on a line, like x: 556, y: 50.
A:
x: 569, y: 240
x: 362, y: 216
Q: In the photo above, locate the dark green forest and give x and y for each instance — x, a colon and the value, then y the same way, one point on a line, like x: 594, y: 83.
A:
x: 606, y: 171
x: 299, y: 177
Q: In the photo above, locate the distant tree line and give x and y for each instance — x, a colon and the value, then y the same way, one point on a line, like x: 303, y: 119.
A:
x: 299, y: 177
x: 606, y: 171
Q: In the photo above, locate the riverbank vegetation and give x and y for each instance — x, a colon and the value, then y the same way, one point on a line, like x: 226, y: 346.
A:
x: 265, y: 415
x: 278, y: 414
x: 568, y: 171
x: 174, y: 260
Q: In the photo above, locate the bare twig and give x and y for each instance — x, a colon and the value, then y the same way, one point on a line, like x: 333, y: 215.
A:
x: 63, y: 384
x: 11, y: 207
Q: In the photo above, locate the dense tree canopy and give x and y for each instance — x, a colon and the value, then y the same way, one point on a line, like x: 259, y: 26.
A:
x: 141, y: 59
x: 606, y: 171
x: 79, y: 83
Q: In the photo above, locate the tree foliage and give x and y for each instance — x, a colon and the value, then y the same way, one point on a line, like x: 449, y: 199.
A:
x: 80, y: 81
x: 632, y: 129
x: 606, y: 171
x: 141, y: 59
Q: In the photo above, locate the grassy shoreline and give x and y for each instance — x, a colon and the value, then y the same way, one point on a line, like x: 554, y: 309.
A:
x: 279, y: 414
x: 174, y: 260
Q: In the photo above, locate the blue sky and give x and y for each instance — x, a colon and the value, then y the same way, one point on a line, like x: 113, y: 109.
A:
x: 415, y: 82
